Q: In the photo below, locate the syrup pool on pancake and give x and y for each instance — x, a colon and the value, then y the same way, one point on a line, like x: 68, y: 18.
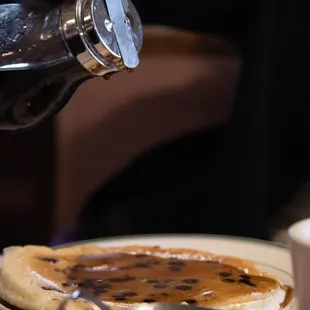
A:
x: 123, y: 279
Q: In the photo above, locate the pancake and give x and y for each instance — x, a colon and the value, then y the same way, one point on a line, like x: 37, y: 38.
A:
x: 37, y: 278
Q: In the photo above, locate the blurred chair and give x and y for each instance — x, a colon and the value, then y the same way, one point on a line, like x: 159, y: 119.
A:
x: 185, y: 82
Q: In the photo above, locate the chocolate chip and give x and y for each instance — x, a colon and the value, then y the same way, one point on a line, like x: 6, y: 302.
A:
x: 245, y: 276
x: 140, y: 255
x: 142, y: 265
x: 149, y: 300
x: 155, y: 262
x: 183, y: 287
x: 176, y: 263
x: 247, y: 282
x: 229, y: 280
x: 51, y: 289
x: 130, y: 294
x: 151, y: 281
x: 65, y: 284
x: 164, y: 294
x: 190, y: 281
x: 160, y: 285
x: 119, y: 297
x: 124, y: 279
x: 190, y: 301
x: 225, y: 274
x: 49, y: 260
x: 175, y: 268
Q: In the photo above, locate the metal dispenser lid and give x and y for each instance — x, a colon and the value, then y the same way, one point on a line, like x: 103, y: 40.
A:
x: 104, y: 35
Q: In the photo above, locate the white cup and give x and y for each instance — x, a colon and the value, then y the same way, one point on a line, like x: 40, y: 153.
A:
x: 299, y: 235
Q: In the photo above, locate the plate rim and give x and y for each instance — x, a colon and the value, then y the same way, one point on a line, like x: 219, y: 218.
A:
x: 273, y: 244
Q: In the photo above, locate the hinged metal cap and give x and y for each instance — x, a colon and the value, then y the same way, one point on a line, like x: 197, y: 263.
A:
x: 104, y: 35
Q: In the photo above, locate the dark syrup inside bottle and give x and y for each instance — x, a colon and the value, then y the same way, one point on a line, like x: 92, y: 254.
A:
x: 37, y: 74
x: 28, y: 96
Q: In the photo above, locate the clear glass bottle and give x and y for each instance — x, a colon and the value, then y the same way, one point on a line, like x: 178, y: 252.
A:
x: 47, y: 52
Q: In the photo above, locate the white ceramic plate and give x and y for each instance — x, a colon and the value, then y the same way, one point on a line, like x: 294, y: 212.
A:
x: 269, y: 257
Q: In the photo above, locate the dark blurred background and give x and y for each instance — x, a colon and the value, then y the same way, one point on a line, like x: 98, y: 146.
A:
x: 47, y: 173
x: 27, y: 172
x: 211, y: 132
